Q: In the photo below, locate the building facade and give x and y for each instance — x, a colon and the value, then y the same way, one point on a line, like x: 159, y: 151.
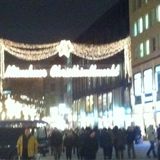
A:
x: 144, y: 18
x: 102, y: 101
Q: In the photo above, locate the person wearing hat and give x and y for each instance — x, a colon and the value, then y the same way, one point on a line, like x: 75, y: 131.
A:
x: 27, y: 145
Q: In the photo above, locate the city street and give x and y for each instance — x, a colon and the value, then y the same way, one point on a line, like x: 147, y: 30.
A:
x: 141, y: 150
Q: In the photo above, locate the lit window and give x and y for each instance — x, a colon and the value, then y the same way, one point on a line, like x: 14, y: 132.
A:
x: 148, y: 78
x: 135, y: 29
x: 157, y: 78
x: 140, y: 25
x: 141, y: 50
x: 146, y: 1
x: 146, y: 21
x: 158, y: 13
x: 138, y: 84
x: 147, y: 47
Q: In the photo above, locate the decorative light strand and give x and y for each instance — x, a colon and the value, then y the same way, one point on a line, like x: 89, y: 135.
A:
x: 92, y: 52
x: 38, y: 52
x: 30, y: 46
x: 30, y: 57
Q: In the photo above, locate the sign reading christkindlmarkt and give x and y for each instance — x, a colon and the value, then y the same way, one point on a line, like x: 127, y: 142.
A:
x: 57, y: 71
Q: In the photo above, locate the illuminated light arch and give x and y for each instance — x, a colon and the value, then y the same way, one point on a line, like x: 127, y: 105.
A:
x: 34, y: 52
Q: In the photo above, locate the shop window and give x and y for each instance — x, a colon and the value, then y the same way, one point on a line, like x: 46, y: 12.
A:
x: 148, y: 86
x: 157, y: 81
x: 105, y: 102
x: 110, y: 101
x: 138, y: 87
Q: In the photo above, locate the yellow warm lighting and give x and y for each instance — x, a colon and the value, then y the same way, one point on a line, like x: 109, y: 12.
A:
x: 34, y: 52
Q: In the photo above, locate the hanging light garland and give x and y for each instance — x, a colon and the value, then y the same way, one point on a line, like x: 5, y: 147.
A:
x: 35, y: 52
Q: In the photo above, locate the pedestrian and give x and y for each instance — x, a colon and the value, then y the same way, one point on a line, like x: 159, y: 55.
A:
x: 68, y: 144
x: 151, y: 134
x: 130, y: 137
x: 56, y: 143
x: 27, y: 145
x: 106, y: 143
x: 115, y: 132
x: 91, y: 144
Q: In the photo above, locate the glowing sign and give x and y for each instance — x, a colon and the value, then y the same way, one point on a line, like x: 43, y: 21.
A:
x: 76, y: 71
x: 57, y: 71
x: 16, y: 72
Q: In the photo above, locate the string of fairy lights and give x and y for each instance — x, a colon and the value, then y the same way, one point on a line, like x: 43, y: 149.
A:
x: 88, y: 51
x: 36, y: 52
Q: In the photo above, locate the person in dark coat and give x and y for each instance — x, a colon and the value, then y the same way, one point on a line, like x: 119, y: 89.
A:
x: 68, y: 144
x: 56, y: 143
x: 81, y: 143
x: 115, y: 140
x: 106, y: 143
x: 91, y: 145
x: 130, y: 142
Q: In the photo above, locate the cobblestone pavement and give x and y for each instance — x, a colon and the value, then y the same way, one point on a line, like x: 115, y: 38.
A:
x: 140, y: 149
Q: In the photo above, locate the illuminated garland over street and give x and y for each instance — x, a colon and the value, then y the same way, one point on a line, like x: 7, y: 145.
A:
x: 34, y: 52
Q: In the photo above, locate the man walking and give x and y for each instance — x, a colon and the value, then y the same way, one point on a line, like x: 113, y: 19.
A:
x: 27, y: 145
x: 151, y: 137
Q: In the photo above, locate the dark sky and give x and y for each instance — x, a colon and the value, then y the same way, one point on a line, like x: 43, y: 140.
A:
x: 37, y: 21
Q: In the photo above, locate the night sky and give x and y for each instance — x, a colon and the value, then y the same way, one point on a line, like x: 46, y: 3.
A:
x: 41, y: 21
x: 44, y: 21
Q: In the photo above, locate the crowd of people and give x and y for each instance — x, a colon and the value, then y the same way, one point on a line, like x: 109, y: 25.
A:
x: 85, y: 143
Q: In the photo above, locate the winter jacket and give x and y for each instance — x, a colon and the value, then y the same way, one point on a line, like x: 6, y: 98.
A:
x: 32, y: 146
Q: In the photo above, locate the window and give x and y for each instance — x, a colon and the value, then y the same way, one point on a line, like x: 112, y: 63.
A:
x: 146, y: 24
x: 157, y: 81
x: 137, y: 84
x: 157, y: 78
x: 152, y: 17
x: 148, y: 81
x: 140, y: 25
x: 148, y: 86
x: 138, y: 88
x: 158, y: 13
x: 153, y: 44
x: 147, y: 47
x: 135, y: 29
x: 141, y: 50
